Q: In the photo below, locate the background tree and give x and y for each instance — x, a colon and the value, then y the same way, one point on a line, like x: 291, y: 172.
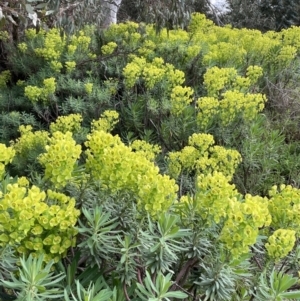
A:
x: 284, y: 13
x: 263, y: 15
x: 245, y: 14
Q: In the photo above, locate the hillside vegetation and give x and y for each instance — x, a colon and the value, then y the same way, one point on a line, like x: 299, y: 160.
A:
x: 138, y: 165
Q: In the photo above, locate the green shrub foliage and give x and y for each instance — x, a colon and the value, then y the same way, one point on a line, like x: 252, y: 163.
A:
x: 145, y: 166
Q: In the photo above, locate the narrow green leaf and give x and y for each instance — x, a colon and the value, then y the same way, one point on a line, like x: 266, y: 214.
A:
x: 177, y: 294
x: 291, y: 295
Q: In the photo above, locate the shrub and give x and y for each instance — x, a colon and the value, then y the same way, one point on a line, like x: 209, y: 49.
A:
x: 148, y: 160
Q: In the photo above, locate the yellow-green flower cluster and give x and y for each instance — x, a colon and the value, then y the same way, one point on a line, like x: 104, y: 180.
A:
x: 216, y: 80
x: 60, y: 158
x: 71, y: 49
x: 253, y: 73
x: 224, y: 46
x: 149, y: 151
x: 4, y: 78
x: 213, y: 193
x: 106, y: 122
x: 202, y: 156
x: 92, y: 55
x: 134, y: 38
x: 31, y: 33
x: 167, y: 42
x: 133, y: 71
x: 177, y: 39
x: 280, y: 243
x: 53, y: 46
x: 257, y: 207
x: 258, y: 45
x: 88, y: 88
x: 223, y: 160
x: 208, y: 109
x: 147, y: 50
x: 229, y: 97
x: 23, y: 182
x: 235, y: 104
x: 227, y: 47
x: 284, y: 205
x: 199, y: 23
x: 244, y: 219
x: 56, y: 66
x: 34, y: 222
x: 126, y: 33
x: 286, y: 55
x: 36, y: 94
x: 49, y: 87
x: 82, y: 41
x: 30, y: 141
x: 7, y: 154
x: 70, y: 66
x: 222, y: 53
x: 4, y: 36
x: 219, y: 202
x: 219, y: 80
x: 64, y: 124
x: 33, y: 93
x: 181, y: 97
x: 152, y: 73
x: 192, y: 51
x: 123, y: 28
x: 109, y: 48
x: 290, y: 36
x: 158, y: 74
x: 174, y: 77
x: 219, y: 46
x: 22, y: 47
x: 118, y: 168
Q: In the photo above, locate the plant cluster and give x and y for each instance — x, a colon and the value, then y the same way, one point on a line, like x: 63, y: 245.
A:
x: 118, y: 168
x: 37, y: 222
x: 145, y: 166
x: 202, y: 156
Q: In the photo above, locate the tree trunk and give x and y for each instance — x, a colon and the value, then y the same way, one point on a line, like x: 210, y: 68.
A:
x: 110, y: 10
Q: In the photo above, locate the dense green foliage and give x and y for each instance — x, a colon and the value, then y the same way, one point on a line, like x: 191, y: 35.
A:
x: 263, y: 14
x: 145, y: 166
